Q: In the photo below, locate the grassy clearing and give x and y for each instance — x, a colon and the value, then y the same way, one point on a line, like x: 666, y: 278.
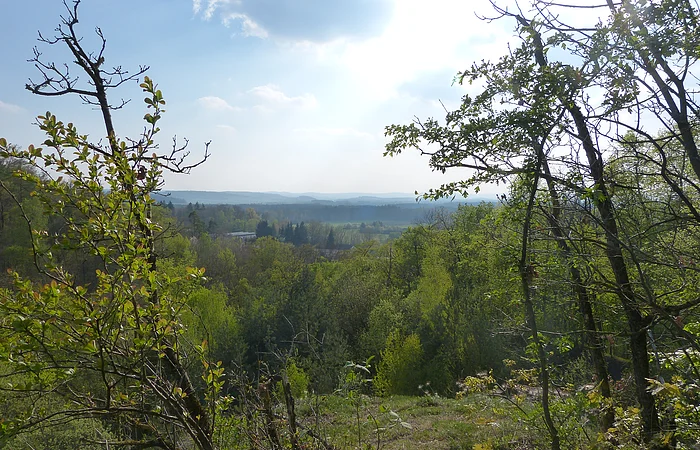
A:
x: 475, y: 422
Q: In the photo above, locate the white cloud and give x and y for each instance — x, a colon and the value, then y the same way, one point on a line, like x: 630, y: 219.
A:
x: 271, y: 95
x: 227, y: 128
x: 9, y: 107
x: 249, y: 27
x: 289, y: 20
x: 422, y: 37
x: 212, y: 5
x: 216, y: 104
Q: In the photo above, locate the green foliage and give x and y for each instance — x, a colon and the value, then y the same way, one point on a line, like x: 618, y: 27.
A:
x: 215, y: 220
x: 104, y: 350
x: 102, y: 317
x: 299, y: 381
x: 263, y: 229
x: 383, y: 319
x: 591, y: 209
x: 208, y: 318
x: 399, y: 372
x: 128, y: 323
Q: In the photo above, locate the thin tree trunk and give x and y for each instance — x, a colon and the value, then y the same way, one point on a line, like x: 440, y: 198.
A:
x: 671, y: 90
x: 197, y: 415
x: 291, y: 415
x: 269, y: 415
x: 592, y: 337
x: 526, y: 274
x: 603, y: 202
x: 635, y: 321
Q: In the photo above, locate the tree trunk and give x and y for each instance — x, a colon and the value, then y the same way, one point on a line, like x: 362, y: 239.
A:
x: 592, y: 337
x: 526, y: 274
x: 604, y: 205
x: 195, y: 412
x: 635, y: 321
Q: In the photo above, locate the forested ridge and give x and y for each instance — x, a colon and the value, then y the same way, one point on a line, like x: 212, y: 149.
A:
x: 563, y: 316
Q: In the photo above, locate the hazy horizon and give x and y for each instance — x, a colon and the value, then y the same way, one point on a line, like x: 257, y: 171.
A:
x: 293, y: 96
x: 289, y: 198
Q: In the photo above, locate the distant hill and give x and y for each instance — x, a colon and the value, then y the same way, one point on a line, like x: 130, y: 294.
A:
x: 286, y: 198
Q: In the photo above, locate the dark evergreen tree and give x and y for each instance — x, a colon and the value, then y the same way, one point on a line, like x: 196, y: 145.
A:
x: 197, y: 224
x: 264, y: 229
x: 330, y: 242
x: 213, y: 227
x: 289, y: 232
x: 301, y: 235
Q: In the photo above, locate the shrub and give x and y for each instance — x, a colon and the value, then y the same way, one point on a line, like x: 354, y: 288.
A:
x: 298, y: 380
x: 400, y: 371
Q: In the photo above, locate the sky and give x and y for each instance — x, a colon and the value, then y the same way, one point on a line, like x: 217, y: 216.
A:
x: 294, y: 95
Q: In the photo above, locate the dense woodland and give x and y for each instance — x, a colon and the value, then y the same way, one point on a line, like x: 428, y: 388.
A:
x: 294, y: 227
x: 128, y: 324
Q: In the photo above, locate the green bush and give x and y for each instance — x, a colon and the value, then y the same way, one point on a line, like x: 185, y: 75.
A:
x: 298, y: 380
x: 400, y: 371
x: 439, y: 374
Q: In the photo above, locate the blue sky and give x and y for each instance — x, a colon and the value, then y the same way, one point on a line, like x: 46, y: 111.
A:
x: 293, y: 94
